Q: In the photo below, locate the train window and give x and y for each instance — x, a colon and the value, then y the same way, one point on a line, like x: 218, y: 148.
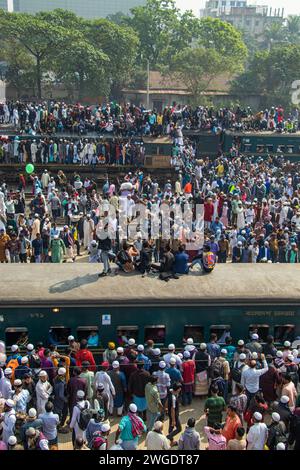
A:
x: 247, y: 147
x: 284, y: 333
x: 260, y: 148
x: 194, y: 331
x: 155, y: 332
x: 90, y: 333
x: 125, y: 332
x: 18, y: 335
x: 59, y: 335
x: 281, y: 148
x: 222, y: 332
x: 270, y: 148
x: 261, y: 330
x: 290, y: 148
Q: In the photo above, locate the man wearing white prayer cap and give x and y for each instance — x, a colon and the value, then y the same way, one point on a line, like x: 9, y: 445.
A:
x: 276, y: 432
x: 5, y: 383
x: 81, y: 404
x: 131, y: 427
x: 9, y: 420
x: 43, y: 391
x: 258, y: 433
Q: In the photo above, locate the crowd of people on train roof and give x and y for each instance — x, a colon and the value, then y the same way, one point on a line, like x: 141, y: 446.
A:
x: 251, y: 213
x: 137, y: 395
x: 128, y: 119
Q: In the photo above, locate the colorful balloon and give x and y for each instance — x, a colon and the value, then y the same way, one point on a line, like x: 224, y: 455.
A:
x: 29, y: 168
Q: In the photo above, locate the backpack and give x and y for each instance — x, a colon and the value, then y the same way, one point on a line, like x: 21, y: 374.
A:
x: 13, y: 364
x: 220, y: 383
x: 279, y: 436
x: 85, y: 416
x: 123, y: 257
x: 236, y: 372
x: 34, y: 361
x: 217, y: 368
x: 209, y: 261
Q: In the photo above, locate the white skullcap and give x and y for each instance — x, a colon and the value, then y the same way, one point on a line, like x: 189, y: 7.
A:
x: 180, y: 355
x: 24, y: 360
x: 105, y: 427
x: 156, y: 352
x: 158, y: 425
x: 241, y: 342
x: 280, y: 446
x: 43, y: 373
x: 30, y: 347
x: 133, y: 408
x: 172, y: 360
x: 291, y: 357
x: 255, y: 336
x: 258, y: 416
x: 80, y: 394
x: 30, y: 432
x: 131, y: 342
x: 254, y: 355
x: 171, y: 347
x: 61, y: 371
x: 284, y: 399
x: 32, y: 413
x: 10, y: 403
x: 295, y: 352
x: 279, y: 354
x: 276, y: 417
x: 120, y: 350
x: 140, y: 348
x: 17, y: 382
x: 12, y: 440
x: 224, y: 351
x: 162, y: 365
x: 242, y: 357
x: 203, y: 346
x: 8, y: 371
x: 14, y: 348
x: 186, y: 355
x: 287, y: 344
x: 190, y: 341
x: 71, y: 338
x: 115, y: 365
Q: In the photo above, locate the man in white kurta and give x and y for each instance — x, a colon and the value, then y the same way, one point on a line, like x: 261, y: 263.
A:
x: 88, y: 230
x: 43, y: 391
x: 74, y: 424
x: 103, y: 378
x: 8, y: 421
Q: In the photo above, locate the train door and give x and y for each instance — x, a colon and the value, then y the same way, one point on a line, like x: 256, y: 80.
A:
x: 155, y: 332
x: 18, y: 335
x: 284, y: 333
x: 194, y: 331
x: 262, y: 331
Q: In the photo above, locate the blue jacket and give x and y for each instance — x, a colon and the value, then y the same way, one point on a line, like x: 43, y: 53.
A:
x: 264, y: 253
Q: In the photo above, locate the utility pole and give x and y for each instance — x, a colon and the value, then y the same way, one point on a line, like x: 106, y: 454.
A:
x: 148, y: 83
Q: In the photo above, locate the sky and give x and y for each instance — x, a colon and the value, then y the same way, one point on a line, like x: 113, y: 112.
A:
x: 292, y: 7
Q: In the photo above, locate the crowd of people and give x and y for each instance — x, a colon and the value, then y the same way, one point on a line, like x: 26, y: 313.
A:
x: 250, y: 213
x: 127, y: 120
x: 250, y: 393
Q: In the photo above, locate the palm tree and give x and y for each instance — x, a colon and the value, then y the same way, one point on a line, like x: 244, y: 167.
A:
x: 293, y: 28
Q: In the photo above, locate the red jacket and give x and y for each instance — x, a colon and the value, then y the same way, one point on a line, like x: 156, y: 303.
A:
x: 85, y: 355
x: 188, y: 372
x: 208, y: 211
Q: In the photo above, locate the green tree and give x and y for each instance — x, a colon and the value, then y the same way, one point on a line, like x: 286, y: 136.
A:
x: 20, y: 69
x: 293, y: 28
x: 120, y: 44
x: 36, y: 36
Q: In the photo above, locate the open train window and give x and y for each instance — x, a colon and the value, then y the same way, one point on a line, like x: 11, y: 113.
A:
x: 59, y: 335
x: 18, y: 335
x: 125, y: 332
x: 90, y: 333
x: 261, y: 330
x: 222, y: 332
x: 281, y: 148
x: 270, y: 148
x: 247, y: 147
x: 155, y: 332
x: 284, y: 333
x: 290, y: 148
x: 194, y: 331
x: 260, y: 148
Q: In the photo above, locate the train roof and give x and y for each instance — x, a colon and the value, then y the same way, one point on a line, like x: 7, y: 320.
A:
x: 78, y: 285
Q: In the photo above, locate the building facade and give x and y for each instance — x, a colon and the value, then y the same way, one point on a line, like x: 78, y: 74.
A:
x: 87, y: 9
